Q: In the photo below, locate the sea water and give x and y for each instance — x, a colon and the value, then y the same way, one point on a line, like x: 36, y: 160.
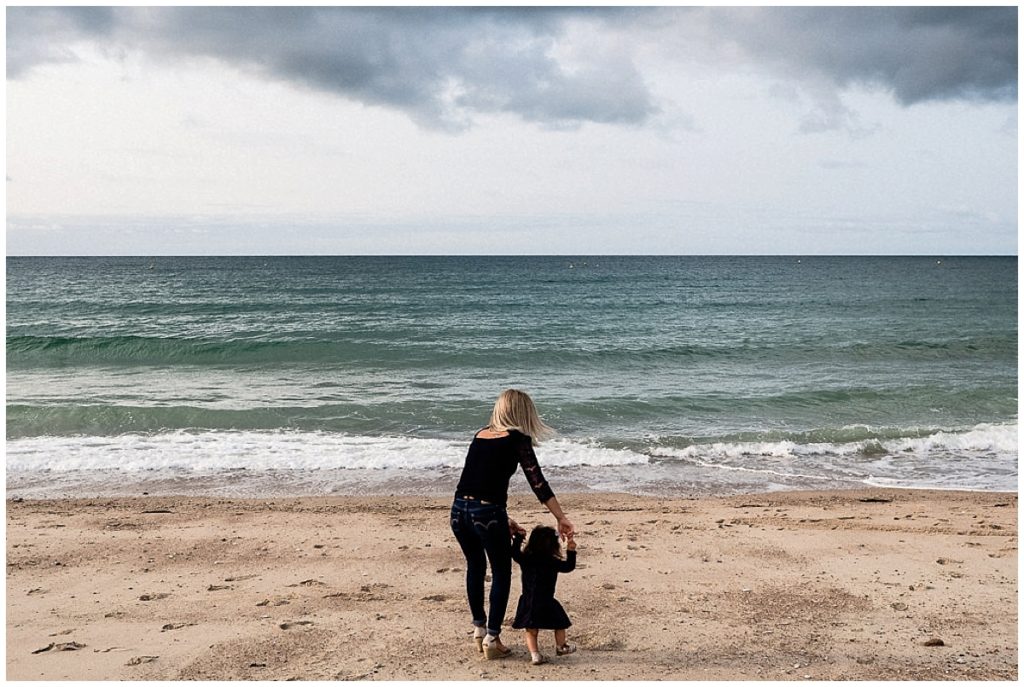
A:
x: 250, y: 376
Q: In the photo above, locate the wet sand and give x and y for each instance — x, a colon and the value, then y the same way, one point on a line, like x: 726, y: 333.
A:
x: 805, y: 585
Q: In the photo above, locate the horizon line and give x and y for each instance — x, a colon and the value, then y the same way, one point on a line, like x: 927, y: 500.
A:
x: 523, y: 255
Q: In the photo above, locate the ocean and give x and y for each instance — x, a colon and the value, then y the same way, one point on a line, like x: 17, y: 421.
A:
x: 673, y: 376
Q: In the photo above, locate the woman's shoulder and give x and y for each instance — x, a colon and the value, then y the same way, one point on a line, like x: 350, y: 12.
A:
x: 510, y: 432
x: 487, y: 430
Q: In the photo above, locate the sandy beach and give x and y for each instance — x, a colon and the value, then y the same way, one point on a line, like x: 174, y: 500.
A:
x: 784, y: 586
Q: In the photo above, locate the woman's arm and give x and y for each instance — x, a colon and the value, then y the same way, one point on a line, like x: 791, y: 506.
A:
x: 565, y: 527
x: 531, y: 468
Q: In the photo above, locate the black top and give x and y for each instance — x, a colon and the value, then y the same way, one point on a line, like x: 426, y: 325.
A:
x: 537, y: 606
x: 490, y: 464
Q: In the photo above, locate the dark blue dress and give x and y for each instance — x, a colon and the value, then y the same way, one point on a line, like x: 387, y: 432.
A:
x: 538, y: 608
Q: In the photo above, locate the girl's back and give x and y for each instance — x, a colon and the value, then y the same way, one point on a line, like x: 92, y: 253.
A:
x: 540, y: 567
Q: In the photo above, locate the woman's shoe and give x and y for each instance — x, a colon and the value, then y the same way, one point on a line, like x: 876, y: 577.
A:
x: 493, y: 650
x: 565, y: 649
x: 479, y: 641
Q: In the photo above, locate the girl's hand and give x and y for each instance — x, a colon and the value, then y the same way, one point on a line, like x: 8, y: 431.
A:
x: 571, y: 546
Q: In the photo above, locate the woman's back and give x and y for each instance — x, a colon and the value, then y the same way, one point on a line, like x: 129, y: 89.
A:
x: 490, y: 463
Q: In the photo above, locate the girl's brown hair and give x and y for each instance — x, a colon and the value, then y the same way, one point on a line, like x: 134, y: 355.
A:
x: 543, y: 543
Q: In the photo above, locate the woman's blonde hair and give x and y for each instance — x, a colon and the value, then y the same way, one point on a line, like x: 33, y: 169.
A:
x: 514, y: 409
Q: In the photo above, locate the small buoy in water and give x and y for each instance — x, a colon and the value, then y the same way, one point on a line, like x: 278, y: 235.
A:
x: 938, y: 262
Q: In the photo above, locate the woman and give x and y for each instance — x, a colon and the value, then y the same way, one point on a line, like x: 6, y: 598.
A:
x: 479, y: 519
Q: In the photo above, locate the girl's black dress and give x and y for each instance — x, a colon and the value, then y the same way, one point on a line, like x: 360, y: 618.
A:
x: 538, y: 608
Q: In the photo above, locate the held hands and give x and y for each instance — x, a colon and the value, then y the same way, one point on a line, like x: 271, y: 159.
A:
x: 571, y: 545
x: 566, y: 528
x: 515, y: 528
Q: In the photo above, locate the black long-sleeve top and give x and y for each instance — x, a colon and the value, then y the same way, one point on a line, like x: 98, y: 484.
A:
x: 540, y: 574
x: 490, y: 464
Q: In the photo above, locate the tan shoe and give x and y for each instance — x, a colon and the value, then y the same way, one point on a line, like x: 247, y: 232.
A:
x: 495, y: 649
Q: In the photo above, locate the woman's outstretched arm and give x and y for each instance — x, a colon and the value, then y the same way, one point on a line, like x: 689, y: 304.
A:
x: 565, y: 527
x: 531, y: 468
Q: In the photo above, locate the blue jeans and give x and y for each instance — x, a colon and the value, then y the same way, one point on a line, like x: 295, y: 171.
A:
x: 482, y: 531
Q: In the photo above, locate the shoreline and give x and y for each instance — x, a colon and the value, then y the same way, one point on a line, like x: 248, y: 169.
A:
x: 301, y: 484
x: 834, y: 584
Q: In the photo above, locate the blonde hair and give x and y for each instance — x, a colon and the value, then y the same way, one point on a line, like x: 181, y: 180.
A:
x: 514, y: 409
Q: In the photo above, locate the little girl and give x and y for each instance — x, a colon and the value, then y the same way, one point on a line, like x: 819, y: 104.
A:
x: 538, y: 609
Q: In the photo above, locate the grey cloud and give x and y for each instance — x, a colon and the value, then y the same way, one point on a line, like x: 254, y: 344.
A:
x: 43, y: 35
x: 919, y: 53
x: 443, y: 65
x: 440, y: 65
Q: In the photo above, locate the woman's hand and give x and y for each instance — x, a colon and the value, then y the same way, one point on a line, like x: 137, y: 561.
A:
x: 515, y: 528
x: 565, y: 528
x: 571, y: 546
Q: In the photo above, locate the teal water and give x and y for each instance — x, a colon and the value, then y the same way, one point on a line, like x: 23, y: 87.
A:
x: 660, y: 373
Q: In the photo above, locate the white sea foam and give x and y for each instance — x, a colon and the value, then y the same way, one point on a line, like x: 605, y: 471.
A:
x: 247, y: 463
x: 984, y: 457
x: 212, y: 452
x: 998, y: 439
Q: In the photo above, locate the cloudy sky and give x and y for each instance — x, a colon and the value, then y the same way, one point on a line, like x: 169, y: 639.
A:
x: 321, y: 130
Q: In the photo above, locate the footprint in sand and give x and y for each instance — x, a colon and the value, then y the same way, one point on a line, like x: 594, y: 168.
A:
x: 435, y: 597
x: 64, y: 646
x: 139, y: 660
x: 175, y: 626
x: 308, y: 583
x: 288, y: 626
x: 153, y: 597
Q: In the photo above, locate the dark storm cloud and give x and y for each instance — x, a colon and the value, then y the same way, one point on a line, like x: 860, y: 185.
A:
x: 919, y: 53
x: 442, y: 65
x: 437, y: 64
